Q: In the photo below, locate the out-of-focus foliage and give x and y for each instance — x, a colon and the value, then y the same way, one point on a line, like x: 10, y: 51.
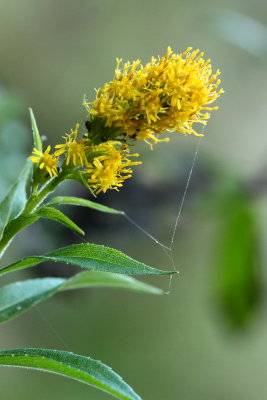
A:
x: 14, y: 138
x: 13, y: 203
x: 237, y: 265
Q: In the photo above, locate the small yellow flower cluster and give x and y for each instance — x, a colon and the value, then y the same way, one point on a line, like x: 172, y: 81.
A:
x: 169, y: 93
x: 106, y: 170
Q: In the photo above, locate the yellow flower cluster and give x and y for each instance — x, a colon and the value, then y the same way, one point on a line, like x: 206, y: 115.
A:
x: 169, y: 93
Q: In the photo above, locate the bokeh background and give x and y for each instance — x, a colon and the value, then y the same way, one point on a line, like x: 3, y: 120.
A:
x: 208, y: 338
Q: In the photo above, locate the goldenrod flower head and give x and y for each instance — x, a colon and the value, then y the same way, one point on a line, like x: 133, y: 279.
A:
x: 74, y: 149
x: 110, y: 169
x: 45, y: 160
x: 169, y: 93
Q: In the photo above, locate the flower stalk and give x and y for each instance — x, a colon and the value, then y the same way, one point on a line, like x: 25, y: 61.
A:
x: 170, y: 93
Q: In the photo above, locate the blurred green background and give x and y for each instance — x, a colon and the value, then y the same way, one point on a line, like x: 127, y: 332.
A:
x: 208, y: 338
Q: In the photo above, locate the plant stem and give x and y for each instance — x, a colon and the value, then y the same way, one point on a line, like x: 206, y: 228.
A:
x: 35, y: 200
x: 27, y: 217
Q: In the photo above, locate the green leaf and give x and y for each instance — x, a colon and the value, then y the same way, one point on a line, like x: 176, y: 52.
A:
x: 18, y: 297
x: 83, y: 369
x: 238, y: 280
x: 82, y: 202
x: 13, y: 204
x: 36, y: 136
x: 90, y: 256
x: 26, y: 220
x: 109, y: 280
x: 58, y: 216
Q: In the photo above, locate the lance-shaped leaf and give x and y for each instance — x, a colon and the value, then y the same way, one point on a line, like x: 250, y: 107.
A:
x: 90, y: 256
x: 81, y: 368
x: 109, y: 280
x: 58, y: 216
x: 36, y: 136
x: 18, y: 297
x: 25, y: 220
x: 13, y: 203
x: 75, y: 201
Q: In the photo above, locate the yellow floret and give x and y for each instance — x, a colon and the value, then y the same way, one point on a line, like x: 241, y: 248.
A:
x: 45, y: 160
x: 75, y: 150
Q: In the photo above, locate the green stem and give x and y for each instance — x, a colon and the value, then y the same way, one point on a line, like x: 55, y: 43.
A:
x: 35, y: 200
x: 27, y: 217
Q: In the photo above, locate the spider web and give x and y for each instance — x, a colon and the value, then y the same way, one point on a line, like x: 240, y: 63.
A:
x: 167, y: 248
